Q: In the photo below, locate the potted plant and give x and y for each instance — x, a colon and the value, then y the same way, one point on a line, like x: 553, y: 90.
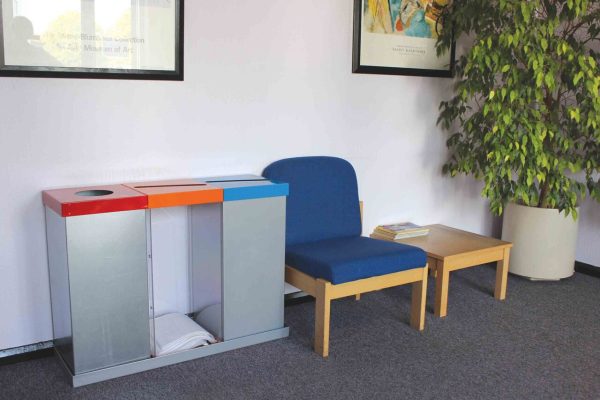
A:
x: 525, y: 119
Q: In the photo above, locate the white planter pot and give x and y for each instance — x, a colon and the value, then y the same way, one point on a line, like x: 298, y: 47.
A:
x: 544, y: 242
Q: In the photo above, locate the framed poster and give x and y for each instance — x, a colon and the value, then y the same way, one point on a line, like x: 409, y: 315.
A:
x: 398, y: 37
x: 109, y: 39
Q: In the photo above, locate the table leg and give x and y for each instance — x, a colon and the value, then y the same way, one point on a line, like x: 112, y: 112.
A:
x: 502, y: 276
x: 441, y: 289
x: 432, y: 262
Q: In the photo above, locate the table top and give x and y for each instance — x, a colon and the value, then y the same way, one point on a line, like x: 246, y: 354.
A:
x: 444, y: 241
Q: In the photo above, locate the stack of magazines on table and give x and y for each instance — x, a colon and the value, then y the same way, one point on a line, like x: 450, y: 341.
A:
x: 399, y: 231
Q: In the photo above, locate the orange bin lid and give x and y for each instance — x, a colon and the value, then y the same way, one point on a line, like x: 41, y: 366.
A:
x: 178, y: 192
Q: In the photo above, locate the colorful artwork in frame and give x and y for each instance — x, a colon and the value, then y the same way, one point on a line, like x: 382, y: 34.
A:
x: 398, y: 37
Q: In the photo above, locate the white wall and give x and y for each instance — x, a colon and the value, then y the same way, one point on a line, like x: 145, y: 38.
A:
x: 265, y: 79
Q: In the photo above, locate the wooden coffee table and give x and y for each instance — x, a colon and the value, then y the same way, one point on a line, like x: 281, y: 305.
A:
x: 450, y: 249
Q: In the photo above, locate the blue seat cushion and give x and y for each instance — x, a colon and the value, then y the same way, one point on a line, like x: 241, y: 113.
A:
x: 348, y: 259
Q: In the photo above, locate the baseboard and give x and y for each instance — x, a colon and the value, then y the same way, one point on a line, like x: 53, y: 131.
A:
x: 25, y: 353
x: 587, y: 269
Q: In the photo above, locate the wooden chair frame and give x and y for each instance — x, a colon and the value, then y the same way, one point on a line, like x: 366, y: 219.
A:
x: 324, y: 291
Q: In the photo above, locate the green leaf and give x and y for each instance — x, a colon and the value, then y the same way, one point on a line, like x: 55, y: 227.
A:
x: 525, y: 12
x: 541, y: 177
x: 549, y: 79
x: 539, y: 79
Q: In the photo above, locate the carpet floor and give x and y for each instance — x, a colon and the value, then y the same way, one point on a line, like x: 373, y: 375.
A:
x: 543, y: 342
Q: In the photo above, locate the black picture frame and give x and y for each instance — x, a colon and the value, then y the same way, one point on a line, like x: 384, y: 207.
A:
x: 102, y: 73
x: 357, y: 67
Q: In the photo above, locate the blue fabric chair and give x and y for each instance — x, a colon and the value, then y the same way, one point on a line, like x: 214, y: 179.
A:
x: 326, y: 256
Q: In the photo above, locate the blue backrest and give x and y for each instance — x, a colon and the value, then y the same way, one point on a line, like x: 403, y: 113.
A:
x: 323, y: 199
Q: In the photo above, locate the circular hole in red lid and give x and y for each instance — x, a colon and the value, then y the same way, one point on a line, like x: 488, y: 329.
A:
x: 94, y: 193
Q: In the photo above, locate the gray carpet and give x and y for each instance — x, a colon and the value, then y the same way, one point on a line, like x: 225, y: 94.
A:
x: 543, y: 342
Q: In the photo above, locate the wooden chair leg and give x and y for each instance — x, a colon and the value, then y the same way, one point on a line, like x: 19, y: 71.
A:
x: 357, y: 296
x: 322, y: 311
x: 419, y: 300
x: 442, y: 281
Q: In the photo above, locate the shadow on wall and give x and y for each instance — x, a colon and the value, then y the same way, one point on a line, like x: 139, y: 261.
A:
x: 462, y: 190
x: 33, y: 280
x: 589, y: 233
